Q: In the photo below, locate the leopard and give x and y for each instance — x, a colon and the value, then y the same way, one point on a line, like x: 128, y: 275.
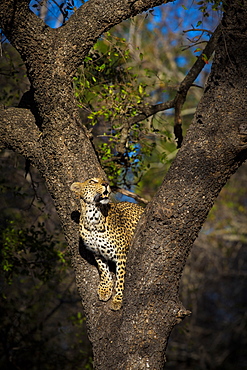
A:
x: 106, y: 229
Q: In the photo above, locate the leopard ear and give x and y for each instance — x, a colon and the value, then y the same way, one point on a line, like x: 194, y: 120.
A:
x: 76, y: 187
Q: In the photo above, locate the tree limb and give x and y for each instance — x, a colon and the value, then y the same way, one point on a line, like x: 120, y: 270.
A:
x: 19, y: 132
x: 149, y: 111
x: 188, y: 81
x: 20, y: 24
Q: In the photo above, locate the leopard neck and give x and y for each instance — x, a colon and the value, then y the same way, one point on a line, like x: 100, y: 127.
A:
x: 94, y: 214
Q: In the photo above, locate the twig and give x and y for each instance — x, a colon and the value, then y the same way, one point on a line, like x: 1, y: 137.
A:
x: 186, y: 47
x: 129, y: 194
x: 199, y: 30
x: 150, y: 111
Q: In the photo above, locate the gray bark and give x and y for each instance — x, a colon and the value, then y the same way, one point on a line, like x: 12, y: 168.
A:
x: 54, y: 140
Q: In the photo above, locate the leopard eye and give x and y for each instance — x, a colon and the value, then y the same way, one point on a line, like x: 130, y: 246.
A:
x: 93, y: 181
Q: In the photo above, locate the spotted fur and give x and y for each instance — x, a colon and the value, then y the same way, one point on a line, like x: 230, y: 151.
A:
x: 106, y: 229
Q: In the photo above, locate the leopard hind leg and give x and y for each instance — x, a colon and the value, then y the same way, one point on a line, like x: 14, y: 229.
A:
x: 116, y: 303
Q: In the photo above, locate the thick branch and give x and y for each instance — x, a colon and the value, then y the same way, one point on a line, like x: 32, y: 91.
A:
x: 22, y: 27
x: 19, y: 132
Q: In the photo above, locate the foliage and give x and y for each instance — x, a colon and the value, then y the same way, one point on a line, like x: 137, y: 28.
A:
x: 108, y: 88
x: 106, y: 76
x: 27, y: 251
x: 205, y: 6
x: 117, y: 82
x: 124, y: 74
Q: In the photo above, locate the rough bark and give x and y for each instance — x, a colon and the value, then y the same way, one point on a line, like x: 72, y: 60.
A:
x: 60, y: 147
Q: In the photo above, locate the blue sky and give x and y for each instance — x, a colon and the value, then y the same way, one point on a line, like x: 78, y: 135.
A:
x: 183, y: 13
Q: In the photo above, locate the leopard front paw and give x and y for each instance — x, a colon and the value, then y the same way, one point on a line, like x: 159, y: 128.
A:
x: 116, y: 302
x: 105, y: 291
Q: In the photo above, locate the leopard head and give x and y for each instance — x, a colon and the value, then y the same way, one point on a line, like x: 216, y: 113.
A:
x: 93, y: 190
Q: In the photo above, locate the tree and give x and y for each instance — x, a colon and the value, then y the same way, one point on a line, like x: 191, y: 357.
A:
x: 50, y: 135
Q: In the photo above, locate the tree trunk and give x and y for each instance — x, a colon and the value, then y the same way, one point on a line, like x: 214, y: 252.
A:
x: 55, y: 141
